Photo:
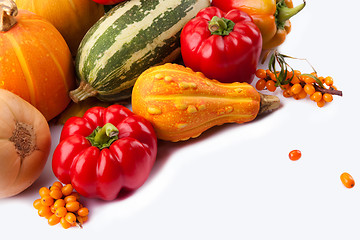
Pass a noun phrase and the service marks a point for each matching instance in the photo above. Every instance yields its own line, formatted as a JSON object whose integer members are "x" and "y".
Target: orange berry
{"x": 72, "y": 206}
{"x": 295, "y": 80}
{"x": 295, "y": 155}
{"x": 65, "y": 224}
{"x": 70, "y": 198}
{"x": 67, "y": 189}
{"x": 260, "y": 73}
{"x": 57, "y": 184}
{"x": 52, "y": 208}
{"x": 321, "y": 103}
{"x": 270, "y": 85}
{"x": 301, "y": 95}
{"x": 37, "y": 204}
{"x": 53, "y": 220}
{"x": 70, "y": 218}
{"x": 44, "y": 191}
{"x": 297, "y": 72}
{"x": 296, "y": 88}
{"x": 82, "y": 219}
{"x": 316, "y": 96}
{"x": 260, "y": 84}
{"x": 314, "y": 74}
{"x": 43, "y": 211}
{"x": 61, "y": 212}
{"x": 47, "y": 201}
{"x": 287, "y": 93}
{"x": 347, "y": 180}
{"x": 270, "y": 74}
{"x": 329, "y": 81}
{"x": 307, "y": 79}
{"x": 59, "y": 203}
{"x": 309, "y": 89}
{"x": 83, "y": 212}
{"x": 56, "y": 193}
{"x": 327, "y": 97}
{"x": 76, "y": 195}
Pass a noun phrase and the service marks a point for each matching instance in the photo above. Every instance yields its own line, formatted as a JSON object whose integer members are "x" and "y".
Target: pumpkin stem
{"x": 8, "y": 11}
{"x": 268, "y": 103}
{"x": 83, "y": 92}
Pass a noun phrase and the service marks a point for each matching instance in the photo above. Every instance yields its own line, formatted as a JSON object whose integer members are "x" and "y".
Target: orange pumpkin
{"x": 35, "y": 61}
{"x": 71, "y": 17}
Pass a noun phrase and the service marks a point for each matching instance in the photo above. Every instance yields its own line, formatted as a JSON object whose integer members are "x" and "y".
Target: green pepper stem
{"x": 107, "y": 132}
{"x": 284, "y": 13}
{"x": 220, "y": 26}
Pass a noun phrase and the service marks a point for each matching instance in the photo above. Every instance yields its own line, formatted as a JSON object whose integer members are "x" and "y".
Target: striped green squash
{"x": 130, "y": 38}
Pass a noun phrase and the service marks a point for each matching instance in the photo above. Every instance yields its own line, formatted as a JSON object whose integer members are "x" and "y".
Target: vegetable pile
{"x": 186, "y": 66}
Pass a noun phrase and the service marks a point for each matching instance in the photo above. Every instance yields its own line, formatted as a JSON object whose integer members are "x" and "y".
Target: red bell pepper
{"x": 223, "y": 46}
{"x": 105, "y": 151}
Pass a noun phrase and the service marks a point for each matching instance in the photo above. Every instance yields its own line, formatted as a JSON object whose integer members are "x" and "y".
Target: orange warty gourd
{"x": 181, "y": 103}
{"x": 72, "y": 18}
{"x": 35, "y": 61}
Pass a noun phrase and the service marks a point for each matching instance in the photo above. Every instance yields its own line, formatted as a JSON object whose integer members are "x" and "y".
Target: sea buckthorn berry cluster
{"x": 60, "y": 204}
{"x": 295, "y": 84}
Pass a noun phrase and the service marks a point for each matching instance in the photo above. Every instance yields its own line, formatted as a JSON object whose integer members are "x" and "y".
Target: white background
{"x": 236, "y": 181}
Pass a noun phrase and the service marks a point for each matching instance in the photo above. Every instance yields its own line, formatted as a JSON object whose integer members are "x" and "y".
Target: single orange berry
{"x": 76, "y": 195}
{"x": 270, "y": 85}
{"x": 65, "y": 224}
{"x": 67, "y": 189}
{"x": 314, "y": 74}
{"x": 83, "y": 212}
{"x": 301, "y": 95}
{"x": 297, "y": 72}
{"x": 321, "y": 103}
{"x": 52, "y": 208}
{"x": 61, "y": 212}
{"x": 329, "y": 81}
{"x": 260, "y": 73}
{"x": 72, "y": 206}
{"x": 309, "y": 89}
{"x": 37, "y": 204}
{"x": 327, "y": 97}
{"x": 53, "y": 220}
{"x": 47, "y": 201}
{"x": 57, "y": 184}
{"x": 295, "y": 80}
{"x": 56, "y": 193}
{"x": 260, "y": 84}
{"x": 316, "y": 96}
{"x": 296, "y": 88}
{"x": 59, "y": 203}
{"x": 295, "y": 155}
{"x": 287, "y": 93}
{"x": 347, "y": 180}
{"x": 44, "y": 191}
{"x": 308, "y": 79}
{"x": 70, "y": 218}
{"x": 82, "y": 219}
{"x": 44, "y": 211}
{"x": 70, "y": 198}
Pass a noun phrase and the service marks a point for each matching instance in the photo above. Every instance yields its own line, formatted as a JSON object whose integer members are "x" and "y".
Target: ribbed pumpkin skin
{"x": 36, "y": 64}
{"x": 72, "y": 18}
{"x": 181, "y": 103}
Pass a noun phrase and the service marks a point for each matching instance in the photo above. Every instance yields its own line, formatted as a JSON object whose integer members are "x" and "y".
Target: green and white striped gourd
{"x": 130, "y": 38}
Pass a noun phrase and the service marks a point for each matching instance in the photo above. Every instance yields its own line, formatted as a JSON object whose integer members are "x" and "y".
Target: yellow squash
{"x": 181, "y": 103}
